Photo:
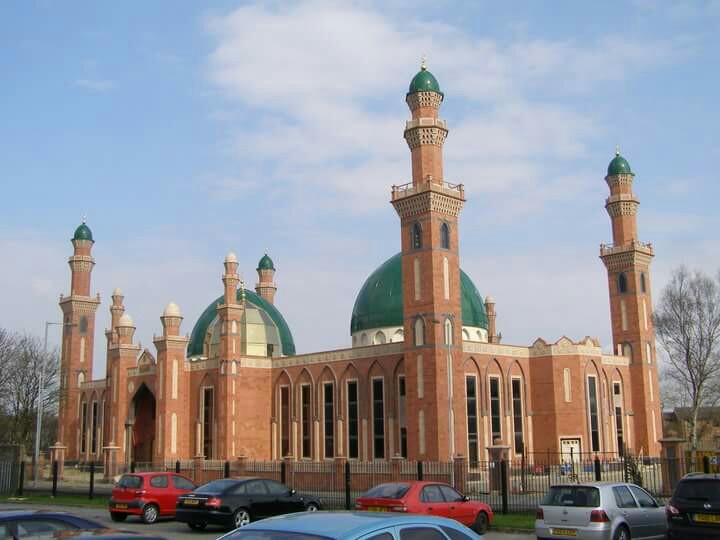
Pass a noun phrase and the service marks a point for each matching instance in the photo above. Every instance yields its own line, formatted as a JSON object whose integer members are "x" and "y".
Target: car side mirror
{"x": 465, "y": 498}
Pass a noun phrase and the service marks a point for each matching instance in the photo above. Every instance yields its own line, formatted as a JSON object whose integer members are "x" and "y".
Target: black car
{"x": 694, "y": 509}
{"x": 235, "y": 502}
{"x": 22, "y": 523}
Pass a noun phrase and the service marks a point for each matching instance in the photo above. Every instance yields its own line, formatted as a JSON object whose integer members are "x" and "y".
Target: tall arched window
{"x": 416, "y": 236}
{"x": 622, "y": 283}
{"x": 419, "y": 328}
{"x": 445, "y": 236}
{"x": 448, "y": 332}
{"x": 642, "y": 282}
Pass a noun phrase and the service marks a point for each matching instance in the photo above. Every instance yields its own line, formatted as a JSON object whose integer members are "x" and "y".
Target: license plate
{"x": 377, "y": 509}
{"x": 191, "y": 502}
{"x": 707, "y": 518}
{"x": 564, "y": 532}
{"x": 121, "y": 506}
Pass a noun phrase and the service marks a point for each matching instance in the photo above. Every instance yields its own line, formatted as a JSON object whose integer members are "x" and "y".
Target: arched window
{"x": 363, "y": 339}
{"x": 622, "y": 283}
{"x": 627, "y": 350}
{"x": 416, "y": 236}
{"x": 648, "y": 352}
{"x": 465, "y": 335}
{"x": 419, "y": 328}
{"x": 642, "y": 282}
{"x": 448, "y": 332}
{"x": 379, "y": 338}
{"x": 398, "y": 336}
{"x": 445, "y": 236}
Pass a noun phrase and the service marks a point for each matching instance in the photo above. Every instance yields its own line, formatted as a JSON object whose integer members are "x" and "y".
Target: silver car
{"x": 600, "y": 511}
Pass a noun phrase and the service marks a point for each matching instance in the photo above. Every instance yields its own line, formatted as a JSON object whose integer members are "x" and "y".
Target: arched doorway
{"x": 143, "y": 430}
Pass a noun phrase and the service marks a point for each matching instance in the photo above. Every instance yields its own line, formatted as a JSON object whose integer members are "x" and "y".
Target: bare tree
{"x": 687, "y": 323}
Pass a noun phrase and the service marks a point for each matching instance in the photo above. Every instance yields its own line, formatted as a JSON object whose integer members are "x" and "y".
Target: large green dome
{"x": 83, "y": 232}
{"x": 200, "y": 330}
{"x": 379, "y": 303}
{"x": 424, "y": 81}
{"x": 619, "y": 165}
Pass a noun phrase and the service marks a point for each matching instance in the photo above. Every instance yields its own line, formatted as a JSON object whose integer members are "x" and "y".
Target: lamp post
{"x": 41, "y": 392}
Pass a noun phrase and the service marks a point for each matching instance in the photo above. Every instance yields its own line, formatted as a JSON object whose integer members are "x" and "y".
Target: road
{"x": 171, "y": 529}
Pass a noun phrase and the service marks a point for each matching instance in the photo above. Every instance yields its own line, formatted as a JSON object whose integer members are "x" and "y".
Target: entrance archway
{"x": 143, "y": 430}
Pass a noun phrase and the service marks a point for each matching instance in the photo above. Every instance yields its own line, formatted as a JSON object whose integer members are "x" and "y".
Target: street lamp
{"x": 41, "y": 392}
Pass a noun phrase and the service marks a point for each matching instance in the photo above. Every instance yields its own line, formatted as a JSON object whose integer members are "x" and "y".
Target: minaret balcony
{"x": 410, "y": 189}
{"x": 634, "y": 245}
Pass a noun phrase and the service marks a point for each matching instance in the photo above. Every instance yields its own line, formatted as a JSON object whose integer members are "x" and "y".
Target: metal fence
{"x": 516, "y": 485}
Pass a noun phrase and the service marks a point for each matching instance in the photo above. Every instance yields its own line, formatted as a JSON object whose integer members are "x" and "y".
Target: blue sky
{"x": 184, "y": 130}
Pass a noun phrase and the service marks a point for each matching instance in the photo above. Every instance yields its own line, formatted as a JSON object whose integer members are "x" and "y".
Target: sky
{"x": 185, "y": 130}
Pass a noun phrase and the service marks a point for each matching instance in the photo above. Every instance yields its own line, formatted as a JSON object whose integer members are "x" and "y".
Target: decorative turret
{"x": 231, "y": 278}
{"x": 493, "y": 337}
{"x": 265, "y": 286}
{"x": 125, "y": 329}
{"x": 171, "y": 319}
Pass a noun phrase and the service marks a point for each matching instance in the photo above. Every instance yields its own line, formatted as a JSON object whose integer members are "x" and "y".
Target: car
{"x": 21, "y": 523}
{"x": 150, "y": 495}
{"x": 600, "y": 511}
{"x": 353, "y": 526}
{"x": 422, "y": 497}
{"x": 235, "y": 502}
{"x": 693, "y": 511}
{"x": 87, "y": 534}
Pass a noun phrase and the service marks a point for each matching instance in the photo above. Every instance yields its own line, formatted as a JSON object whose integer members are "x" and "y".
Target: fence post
{"x": 347, "y": 485}
{"x": 706, "y": 464}
{"x": 625, "y": 468}
{"x": 132, "y": 466}
{"x": 55, "y": 478}
{"x": 598, "y": 473}
{"x": 420, "y": 470}
{"x": 504, "y": 485}
{"x": 21, "y": 479}
{"x": 91, "y": 491}
{"x": 283, "y": 472}
{"x": 177, "y": 466}
{"x": 226, "y": 469}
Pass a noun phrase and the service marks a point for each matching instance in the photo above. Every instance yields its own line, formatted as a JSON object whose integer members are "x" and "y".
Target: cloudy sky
{"x": 184, "y": 130}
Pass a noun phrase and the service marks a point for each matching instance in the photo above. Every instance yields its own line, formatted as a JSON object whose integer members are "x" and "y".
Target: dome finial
{"x": 617, "y": 149}
{"x": 423, "y": 62}
{"x": 84, "y": 218}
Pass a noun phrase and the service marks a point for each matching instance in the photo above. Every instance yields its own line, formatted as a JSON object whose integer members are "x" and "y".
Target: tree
{"x": 687, "y": 324}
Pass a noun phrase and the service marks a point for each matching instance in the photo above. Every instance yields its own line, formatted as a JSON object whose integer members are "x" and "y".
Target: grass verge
{"x": 68, "y": 500}
{"x": 513, "y": 521}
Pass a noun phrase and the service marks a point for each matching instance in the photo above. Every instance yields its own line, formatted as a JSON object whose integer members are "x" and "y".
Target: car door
{"x": 159, "y": 490}
{"x": 629, "y": 510}
{"x": 457, "y": 508}
{"x": 432, "y": 501}
{"x": 260, "y": 502}
{"x": 282, "y": 501}
{"x": 655, "y": 521}
{"x": 181, "y": 486}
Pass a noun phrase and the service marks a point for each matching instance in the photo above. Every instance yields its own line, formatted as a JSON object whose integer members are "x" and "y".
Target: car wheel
{"x": 118, "y": 516}
{"x": 312, "y": 507}
{"x": 150, "y": 513}
{"x": 622, "y": 533}
{"x": 481, "y": 523}
{"x": 241, "y": 517}
{"x": 197, "y": 525}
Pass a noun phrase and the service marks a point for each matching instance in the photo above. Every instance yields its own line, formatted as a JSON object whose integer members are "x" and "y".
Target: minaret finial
{"x": 423, "y": 62}
{"x": 617, "y": 149}
{"x": 84, "y": 218}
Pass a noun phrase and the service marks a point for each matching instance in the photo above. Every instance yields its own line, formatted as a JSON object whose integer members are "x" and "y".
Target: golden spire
{"x": 423, "y": 63}
{"x": 617, "y": 149}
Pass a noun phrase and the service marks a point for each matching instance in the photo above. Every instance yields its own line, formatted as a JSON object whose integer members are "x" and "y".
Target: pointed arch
{"x": 416, "y": 236}
{"x": 445, "y": 235}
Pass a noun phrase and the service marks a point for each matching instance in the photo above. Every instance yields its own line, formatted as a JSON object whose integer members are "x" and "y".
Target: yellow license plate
{"x": 564, "y": 532}
{"x": 377, "y": 509}
{"x": 191, "y": 501}
{"x": 707, "y": 518}
{"x": 121, "y": 505}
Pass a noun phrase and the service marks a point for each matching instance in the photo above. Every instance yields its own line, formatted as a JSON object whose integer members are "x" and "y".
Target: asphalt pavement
{"x": 172, "y": 529}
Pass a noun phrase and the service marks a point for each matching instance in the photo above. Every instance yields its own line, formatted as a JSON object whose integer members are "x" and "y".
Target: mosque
{"x": 427, "y": 376}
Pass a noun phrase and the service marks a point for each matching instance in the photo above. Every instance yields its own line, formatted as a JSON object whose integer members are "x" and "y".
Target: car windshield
{"x": 698, "y": 490}
{"x": 130, "y": 481}
{"x": 216, "y": 486}
{"x": 581, "y": 496}
{"x": 272, "y": 535}
{"x": 388, "y": 491}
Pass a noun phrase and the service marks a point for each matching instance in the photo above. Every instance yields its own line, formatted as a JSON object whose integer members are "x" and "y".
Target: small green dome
{"x": 266, "y": 263}
{"x": 379, "y": 303}
{"x": 619, "y": 165}
{"x": 83, "y": 232}
{"x": 424, "y": 81}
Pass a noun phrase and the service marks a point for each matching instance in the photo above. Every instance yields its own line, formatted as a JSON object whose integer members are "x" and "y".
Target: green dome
{"x": 379, "y": 303}
{"x": 197, "y": 337}
{"x": 266, "y": 263}
{"x": 619, "y": 165}
{"x": 424, "y": 81}
{"x": 83, "y": 232}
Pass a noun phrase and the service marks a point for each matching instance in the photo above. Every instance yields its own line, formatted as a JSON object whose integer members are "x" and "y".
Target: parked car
{"x": 22, "y": 523}
{"x": 693, "y": 511}
{"x": 600, "y": 511}
{"x": 434, "y": 498}
{"x": 235, "y": 502}
{"x": 87, "y": 534}
{"x": 353, "y": 526}
{"x": 149, "y": 495}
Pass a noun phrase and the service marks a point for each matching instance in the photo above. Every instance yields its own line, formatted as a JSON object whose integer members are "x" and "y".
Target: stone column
{"x": 460, "y": 473}
{"x": 110, "y": 465}
{"x": 396, "y": 467}
{"x": 198, "y": 462}
{"x": 672, "y": 462}
{"x": 497, "y": 453}
{"x": 57, "y": 453}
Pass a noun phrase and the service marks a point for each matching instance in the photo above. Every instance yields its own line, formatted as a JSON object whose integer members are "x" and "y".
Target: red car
{"x": 148, "y": 495}
{"x": 432, "y": 498}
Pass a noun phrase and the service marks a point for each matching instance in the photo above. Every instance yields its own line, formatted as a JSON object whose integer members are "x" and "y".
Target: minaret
{"x": 265, "y": 286}
{"x": 628, "y": 265}
{"x": 429, "y": 208}
{"x": 76, "y": 363}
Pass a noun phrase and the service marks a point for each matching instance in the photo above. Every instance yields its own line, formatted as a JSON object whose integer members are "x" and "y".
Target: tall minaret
{"x": 265, "y": 286}
{"x": 76, "y": 362}
{"x": 628, "y": 265}
{"x": 429, "y": 208}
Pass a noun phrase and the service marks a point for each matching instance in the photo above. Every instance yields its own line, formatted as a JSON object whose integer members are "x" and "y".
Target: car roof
{"x": 700, "y": 476}
{"x": 150, "y": 473}
{"x": 604, "y": 483}
{"x": 342, "y": 524}
{"x": 14, "y": 514}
